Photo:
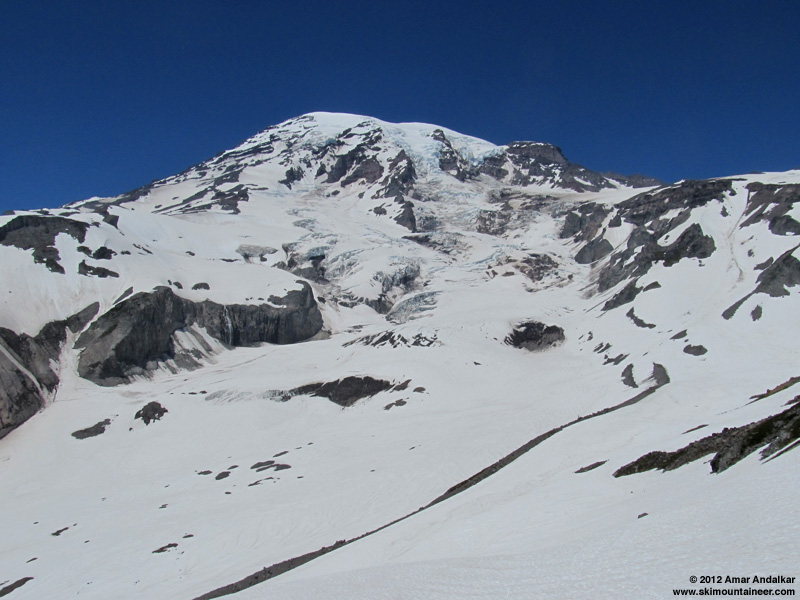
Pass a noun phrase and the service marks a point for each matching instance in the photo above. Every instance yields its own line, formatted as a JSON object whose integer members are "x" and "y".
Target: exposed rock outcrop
{"x": 780, "y": 274}
{"x": 347, "y": 391}
{"x": 26, "y": 376}
{"x": 451, "y": 161}
{"x": 401, "y": 177}
{"x": 593, "y": 251}
{"x": 728, "y": 446}
{"x": 93, "y": 431}
{"x": 20, "y": 397}
{"x": 645, "y": 208}
{"x": 406, "y": 217}
{"x": 152, "y": 411}
{"x": 638, "y": 321}
{"x": 293, "y": 175}
{"x": 533, "y": 335}
{"x": 527, "y": 163}
{"x": 139, "y": 330}
{"x": 38, "y": 233}
{"x": 92, "y": 271}
{"x": 643, "y": 251}
{"x": 357, "y": 164}
{"x": 647, "y": 243}
{"x": 395, "y": 340}
{"x": 635, "y": 181}
{"x": 493, "y": 222}
{"x": 584, "y": 221}
{"x": 624, "y": 296}
{"x": 13, "y": 586}
{"x": 771, "y": 203}
{"x": 591, "y": 467}
{"x": 695, "y": 350}
{"x": 627, "y": 376}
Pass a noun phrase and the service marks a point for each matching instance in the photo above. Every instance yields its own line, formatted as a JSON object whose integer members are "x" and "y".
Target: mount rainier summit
{"x": 357, "y": 359}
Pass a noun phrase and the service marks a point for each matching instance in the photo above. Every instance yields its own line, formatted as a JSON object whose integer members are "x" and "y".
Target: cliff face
{"x": 138, "y": 333}
{"x": 29, "y": 365}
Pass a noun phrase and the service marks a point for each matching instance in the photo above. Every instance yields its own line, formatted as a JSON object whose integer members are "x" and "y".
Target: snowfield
{"x": 427, "y": 356}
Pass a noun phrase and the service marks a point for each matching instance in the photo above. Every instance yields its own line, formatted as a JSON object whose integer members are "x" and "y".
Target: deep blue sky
{"x": 97, "y": 98}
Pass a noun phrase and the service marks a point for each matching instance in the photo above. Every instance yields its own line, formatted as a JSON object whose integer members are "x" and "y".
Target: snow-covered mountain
{"x": 392, "y": 360}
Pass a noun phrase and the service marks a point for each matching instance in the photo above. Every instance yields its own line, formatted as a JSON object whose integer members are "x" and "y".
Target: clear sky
{"x": 97, "y": 98}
